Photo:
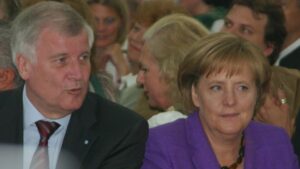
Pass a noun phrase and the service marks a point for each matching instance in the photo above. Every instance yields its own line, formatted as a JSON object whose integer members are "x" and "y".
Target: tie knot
{"x": 46, "y": 129}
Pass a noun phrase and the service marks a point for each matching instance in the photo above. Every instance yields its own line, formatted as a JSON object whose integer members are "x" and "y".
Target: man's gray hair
{"x": 28, "y": 25}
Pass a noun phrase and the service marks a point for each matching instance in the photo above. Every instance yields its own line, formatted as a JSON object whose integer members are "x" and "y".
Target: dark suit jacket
{"x": 292, "y": 60}
{"x": 116, "y": 136}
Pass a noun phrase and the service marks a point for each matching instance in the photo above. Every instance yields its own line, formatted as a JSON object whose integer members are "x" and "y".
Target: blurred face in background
{"x": 108, "y": 24}
{"x": 135, "y": 42}
{"x": 242, "y": 22}
{"x": 155, "y": 86}
{"x": 291, "y": 9}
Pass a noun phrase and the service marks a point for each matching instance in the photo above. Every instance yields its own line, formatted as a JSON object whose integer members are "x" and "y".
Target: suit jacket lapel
{"x": 11, "y": 123}
{"x": 202, "y": 154}
{"x": 11, "y": 127}
{"x": 80, "y": 135}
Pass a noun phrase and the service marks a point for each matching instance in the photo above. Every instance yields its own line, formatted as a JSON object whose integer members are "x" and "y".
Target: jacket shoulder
{"x": 108, "y": 111}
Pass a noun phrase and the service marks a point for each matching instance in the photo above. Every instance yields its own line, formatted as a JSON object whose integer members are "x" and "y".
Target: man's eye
{"x": 245, "y": 30}
{"x": 227, "y": 24}
{"x": 61, "y": 60}
{"x": 84, "y": 57}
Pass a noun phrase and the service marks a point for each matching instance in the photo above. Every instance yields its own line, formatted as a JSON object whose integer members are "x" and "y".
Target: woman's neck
{"x": 225, "y": 147}
{"x": 226, "y": 152}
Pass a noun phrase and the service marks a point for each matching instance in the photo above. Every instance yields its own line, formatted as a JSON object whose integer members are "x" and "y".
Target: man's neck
{"x": 290, "y": 38}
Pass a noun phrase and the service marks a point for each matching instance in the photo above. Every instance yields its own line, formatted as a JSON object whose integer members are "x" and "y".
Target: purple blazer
{"x": 183, "y": 145}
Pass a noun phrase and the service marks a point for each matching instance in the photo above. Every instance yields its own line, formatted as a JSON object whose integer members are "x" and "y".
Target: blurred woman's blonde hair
{"x": 169, "y": 40}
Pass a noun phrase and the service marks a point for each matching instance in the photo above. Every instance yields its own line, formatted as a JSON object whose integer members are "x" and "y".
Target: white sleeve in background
{"x": 165, "y": 117}
{"x": 127, "y": 81}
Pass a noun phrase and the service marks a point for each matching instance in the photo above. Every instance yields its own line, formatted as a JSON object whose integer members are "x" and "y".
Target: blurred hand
{"x": 115, "y": 54}
{"x": 275, "y": 113}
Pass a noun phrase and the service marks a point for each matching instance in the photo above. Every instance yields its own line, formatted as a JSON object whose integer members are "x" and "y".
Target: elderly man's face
{"x": 242, "y": 22}
{"x": 57, "y": 81}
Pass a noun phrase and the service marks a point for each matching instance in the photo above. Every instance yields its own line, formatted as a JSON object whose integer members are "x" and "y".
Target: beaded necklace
{"x": 240, "y": 157}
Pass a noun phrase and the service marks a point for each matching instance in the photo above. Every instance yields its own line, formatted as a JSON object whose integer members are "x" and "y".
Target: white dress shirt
{"x": 31, "y": 134}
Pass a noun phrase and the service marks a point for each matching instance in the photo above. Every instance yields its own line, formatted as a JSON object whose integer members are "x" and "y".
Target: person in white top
{"x": 160, "y": 58}
{"x": 111, "y": 20}
{"x": 147, "y": 13}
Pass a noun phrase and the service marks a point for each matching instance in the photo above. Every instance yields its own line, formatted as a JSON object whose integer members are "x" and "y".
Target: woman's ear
{"x": 195, "y": 96}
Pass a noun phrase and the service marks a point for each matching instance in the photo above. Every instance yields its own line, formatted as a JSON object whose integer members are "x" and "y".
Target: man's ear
{"x": 23, "y": 65}
{"x": 269, "y": 49}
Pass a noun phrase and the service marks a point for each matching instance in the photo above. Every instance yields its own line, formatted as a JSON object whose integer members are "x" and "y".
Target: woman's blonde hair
{"x": 168, "y": 40}
{"x": 223, "y": 52}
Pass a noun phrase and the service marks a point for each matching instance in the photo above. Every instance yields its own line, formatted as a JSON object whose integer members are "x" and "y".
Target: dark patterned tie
{"x": 40, "y": 159}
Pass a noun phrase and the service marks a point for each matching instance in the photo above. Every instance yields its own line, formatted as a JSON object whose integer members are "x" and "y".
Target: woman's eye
{"x": 215, "y": 88}
{"x": 243, "y": 88}
{"x": 135, "y": 28}
{"x": 109, "y": 20}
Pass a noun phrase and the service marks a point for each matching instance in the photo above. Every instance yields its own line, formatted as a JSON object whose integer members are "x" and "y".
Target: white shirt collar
{"x": 287, "y": 51}
{"x": 31, "y": 114}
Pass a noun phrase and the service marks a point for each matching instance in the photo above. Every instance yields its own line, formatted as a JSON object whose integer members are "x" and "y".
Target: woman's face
{"x": 155, "y": 86}
{"x": 226, "y": 103}
{"x": 135, "y": 42}
{"x": 108, "y": 24}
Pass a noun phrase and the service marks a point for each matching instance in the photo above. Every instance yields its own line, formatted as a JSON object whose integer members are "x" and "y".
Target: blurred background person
{"x": 9, "y": 76}
{"x": 223, "y": 80}
{"x": 289, "y": 56}
{"x": 160, "y": 58}
{"x": 147, "y": 13}
{"x": 112, "y": 22}
{"x": 9, "y": 9}
{"x": 262, "y": 23}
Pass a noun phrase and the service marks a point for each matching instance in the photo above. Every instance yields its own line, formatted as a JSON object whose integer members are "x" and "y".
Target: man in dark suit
{"x": 51, "y": 46}
{"x": 290, "y": 54}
